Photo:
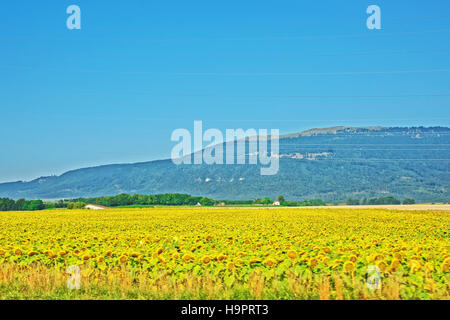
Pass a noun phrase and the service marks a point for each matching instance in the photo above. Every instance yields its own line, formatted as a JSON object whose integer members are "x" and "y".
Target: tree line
{"x": 177, "y": 199}
{"x": 7, "y": 204}
{"x": 173, "y": 199}
{"x": 284, "y": 202}
{"x": 379, "y": 201}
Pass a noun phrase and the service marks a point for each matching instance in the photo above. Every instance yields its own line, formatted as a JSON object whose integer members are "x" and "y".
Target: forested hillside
{"x": 333, "y": 164}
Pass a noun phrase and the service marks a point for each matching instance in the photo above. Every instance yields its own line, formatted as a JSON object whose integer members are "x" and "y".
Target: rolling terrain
{"x": 331, "y": 163}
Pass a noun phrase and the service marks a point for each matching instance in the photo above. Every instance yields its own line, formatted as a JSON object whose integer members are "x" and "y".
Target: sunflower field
{"x": 225, "y": 253}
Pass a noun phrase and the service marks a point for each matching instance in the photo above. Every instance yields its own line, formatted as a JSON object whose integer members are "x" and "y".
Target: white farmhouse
{"x": 95, "y": 207}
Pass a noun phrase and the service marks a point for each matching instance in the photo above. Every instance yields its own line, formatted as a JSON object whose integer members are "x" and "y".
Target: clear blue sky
{"x": 114, "y": 91}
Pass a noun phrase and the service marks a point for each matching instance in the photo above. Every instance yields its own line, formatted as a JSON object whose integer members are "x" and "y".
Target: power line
{"x": 360, "y": 159}
{"x": 140, "y": 118}
{"x": 342, "y": 21}
{"x": 315, "y": 54}
{"x": 321, "y": 120}
{"x": 374, "y": 149}
{"x": 208, "y": 95}
{"x": 337, "y": 36}
{"x": 286, "y": 38}
{"x": 367, "y": 144}
{"x": 231, "y": 74}
{"x": 243, "y": 74}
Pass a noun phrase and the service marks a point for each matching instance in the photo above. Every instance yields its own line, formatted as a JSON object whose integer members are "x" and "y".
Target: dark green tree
{"x": 409, "y": 201}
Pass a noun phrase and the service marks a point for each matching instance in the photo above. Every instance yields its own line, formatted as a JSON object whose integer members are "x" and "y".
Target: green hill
{"x": 333, "y": 164}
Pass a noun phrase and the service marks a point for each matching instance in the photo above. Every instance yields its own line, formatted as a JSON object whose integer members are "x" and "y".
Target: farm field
{"x": 225, "y": 253}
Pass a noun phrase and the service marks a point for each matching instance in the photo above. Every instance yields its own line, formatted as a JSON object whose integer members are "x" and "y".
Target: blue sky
{"x": 114, "y": 91}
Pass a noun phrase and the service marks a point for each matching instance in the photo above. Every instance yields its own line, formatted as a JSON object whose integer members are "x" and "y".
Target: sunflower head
{"x": 123, "y": 259}
{"x": 187, "y": 258}
{"x": 398, "y": 256}
{"x": 382, "y": 265}
{"x": 292, "y": 254}
{"x": 231, "y": 266}
{"x": 446, "y": 265}
{"x": 395, "y": 264}
{"x": 32, "y": 253}
{"x": 349, "y": 266}
{"x": 327, "y": 250}
{"x": 414, "y": 266}
{"x": 222, "y": 257}
{"x": 206, "y": 260}
{"x": 313, "y": 262}
{"x": 269, "y": 263}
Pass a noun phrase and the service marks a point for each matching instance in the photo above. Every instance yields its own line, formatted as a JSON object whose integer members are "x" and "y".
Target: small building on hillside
{"x": 95, "y": 207}
{"x": 276, "y": 203}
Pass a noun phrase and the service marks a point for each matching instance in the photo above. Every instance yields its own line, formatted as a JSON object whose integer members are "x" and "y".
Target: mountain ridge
{"x": 312, "y": 163}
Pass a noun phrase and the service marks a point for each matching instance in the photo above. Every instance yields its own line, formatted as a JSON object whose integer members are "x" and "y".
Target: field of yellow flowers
{"x": 225, "y": 253}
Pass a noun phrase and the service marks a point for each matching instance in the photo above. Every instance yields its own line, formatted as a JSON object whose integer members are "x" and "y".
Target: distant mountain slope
{"x": 332, "y": 163}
